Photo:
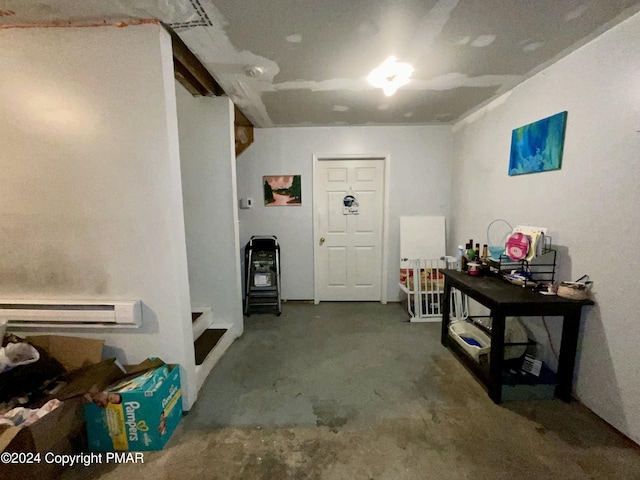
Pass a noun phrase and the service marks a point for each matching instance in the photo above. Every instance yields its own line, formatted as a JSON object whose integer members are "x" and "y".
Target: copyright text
{"x": 70, "y": 460}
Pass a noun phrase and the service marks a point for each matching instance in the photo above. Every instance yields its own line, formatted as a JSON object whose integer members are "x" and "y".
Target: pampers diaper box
{"x": 136, "y": 414}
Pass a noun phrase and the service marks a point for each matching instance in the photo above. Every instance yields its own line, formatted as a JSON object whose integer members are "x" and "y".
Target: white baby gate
{"x": 423, "y": 283}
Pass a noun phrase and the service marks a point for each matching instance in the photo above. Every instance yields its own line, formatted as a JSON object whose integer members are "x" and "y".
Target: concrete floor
{"x": 353, "y": 391}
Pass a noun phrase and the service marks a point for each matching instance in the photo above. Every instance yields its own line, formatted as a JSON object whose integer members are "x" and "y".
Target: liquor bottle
{"x": 477, "y": 254}
{"x": 485, "y": 252}
{"x": 465, "y": 258}
{"x": 469, "y": 254}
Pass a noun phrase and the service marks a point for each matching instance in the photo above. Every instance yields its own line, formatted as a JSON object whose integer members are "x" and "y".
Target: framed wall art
{"x": 282, "y": 190}
{"x": 537, "y": 147}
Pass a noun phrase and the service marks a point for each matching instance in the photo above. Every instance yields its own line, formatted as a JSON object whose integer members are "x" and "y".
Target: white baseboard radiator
{"x": 71, "y": 313}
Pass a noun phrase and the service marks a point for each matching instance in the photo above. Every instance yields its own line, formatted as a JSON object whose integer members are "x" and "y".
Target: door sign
{"x": 350, "y": 205}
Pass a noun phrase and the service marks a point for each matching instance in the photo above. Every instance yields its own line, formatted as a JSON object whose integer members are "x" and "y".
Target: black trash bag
{"x": 28, "y": 380}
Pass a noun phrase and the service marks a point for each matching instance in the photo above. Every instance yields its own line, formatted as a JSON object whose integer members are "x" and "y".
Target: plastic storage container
{"x": 461, "y": 330}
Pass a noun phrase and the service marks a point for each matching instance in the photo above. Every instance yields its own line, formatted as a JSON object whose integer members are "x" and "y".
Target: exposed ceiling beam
{"x": 191, "y": 69}
{"x": 193, "y": 75}
{"x": 241, "y": 119}
{"x": 187, "y": 80}
{"x": 243, "y": 130}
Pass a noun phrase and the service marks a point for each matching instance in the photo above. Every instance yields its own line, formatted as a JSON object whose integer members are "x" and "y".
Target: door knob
{"x": 322, "y": 241}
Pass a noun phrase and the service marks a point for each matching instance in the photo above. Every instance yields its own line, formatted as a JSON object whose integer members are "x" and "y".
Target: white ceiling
{"x": 305, "y": 62}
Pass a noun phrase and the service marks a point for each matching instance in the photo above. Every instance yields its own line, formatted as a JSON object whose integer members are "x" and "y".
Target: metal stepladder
{"x": 262, "y": 274}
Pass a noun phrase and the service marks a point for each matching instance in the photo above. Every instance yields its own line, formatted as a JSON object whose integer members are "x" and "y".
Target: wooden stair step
{"x": 207, "y": 342}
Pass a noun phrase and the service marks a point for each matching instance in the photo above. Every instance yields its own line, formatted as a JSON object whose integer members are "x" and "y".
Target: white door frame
{"x": 385, "y": 217}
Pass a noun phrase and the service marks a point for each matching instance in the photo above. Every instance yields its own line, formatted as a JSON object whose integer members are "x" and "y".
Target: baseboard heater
{"x": 71, "y": 313}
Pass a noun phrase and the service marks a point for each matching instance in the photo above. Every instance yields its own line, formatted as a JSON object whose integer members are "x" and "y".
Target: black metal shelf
{"x": 541, "y": 269}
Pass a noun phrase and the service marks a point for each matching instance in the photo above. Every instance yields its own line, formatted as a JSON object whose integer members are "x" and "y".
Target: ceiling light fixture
{"x": 254, "y": 71}
{"x": 390, "y": 76}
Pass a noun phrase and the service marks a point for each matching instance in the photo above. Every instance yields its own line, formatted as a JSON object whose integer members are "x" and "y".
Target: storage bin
{"x": 461, "y": 329}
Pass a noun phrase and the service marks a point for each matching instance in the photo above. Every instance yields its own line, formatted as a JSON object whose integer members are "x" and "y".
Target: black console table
{"x": 504, "y": 299}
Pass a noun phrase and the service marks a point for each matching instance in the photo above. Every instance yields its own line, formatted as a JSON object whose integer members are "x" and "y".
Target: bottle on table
{"x": 459, "y": 257}
{"x": 469, "y": 255}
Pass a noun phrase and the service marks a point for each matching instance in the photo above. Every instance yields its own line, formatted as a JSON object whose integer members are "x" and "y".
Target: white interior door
{"x": 348, "y": 249}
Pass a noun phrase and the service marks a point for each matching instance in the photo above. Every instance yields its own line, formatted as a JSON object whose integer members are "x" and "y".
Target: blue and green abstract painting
{"x": 537, "y": 147}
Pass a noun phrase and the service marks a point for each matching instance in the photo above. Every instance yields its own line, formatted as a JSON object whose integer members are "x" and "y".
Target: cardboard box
{"x": 137, "y": 414}
{"x": 71, "y": 352}
{"x": 61, "y": 431}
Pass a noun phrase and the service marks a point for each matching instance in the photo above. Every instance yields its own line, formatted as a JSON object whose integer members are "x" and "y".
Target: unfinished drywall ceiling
{"x": 305, "y": 63}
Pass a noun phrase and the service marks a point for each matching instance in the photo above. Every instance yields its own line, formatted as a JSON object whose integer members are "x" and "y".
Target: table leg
{"x": 567, "y": 357}
{"x": 445, "y": 308}
{"x": 496, "y": 356}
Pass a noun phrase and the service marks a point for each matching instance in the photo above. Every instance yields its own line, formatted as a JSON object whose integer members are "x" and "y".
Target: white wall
{"x": 419, "y": 185}
{"x": 90, "y": 192}
{"x": 590, "y": 205}
{"x": 207, "y": 155}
